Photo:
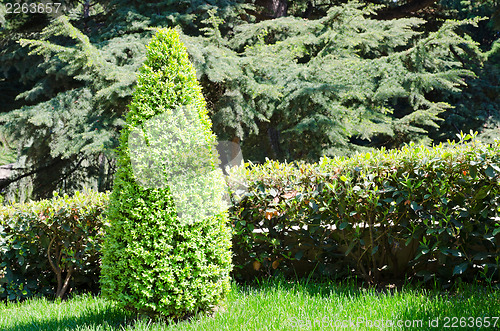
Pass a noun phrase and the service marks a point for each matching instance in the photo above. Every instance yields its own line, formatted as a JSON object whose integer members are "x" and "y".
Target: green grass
{"x": 274, "y": 305}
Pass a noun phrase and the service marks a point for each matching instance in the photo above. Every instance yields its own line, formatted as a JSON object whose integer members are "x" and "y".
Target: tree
{"x": 330, "y": 86}
{"x": 72, "y": 115}
{"x": 162, "y": 254}
{"x": 64, "y": 102}
{"x": 263, "y": 78}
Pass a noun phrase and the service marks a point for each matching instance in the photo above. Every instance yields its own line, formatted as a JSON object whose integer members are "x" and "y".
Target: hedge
{"x": 418, "y": 212}
{"x": 49, "y": 246}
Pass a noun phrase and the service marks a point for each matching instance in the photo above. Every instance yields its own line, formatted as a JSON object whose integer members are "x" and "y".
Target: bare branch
{"x": 55, "y": 267}
{"x": 66, "y": 283}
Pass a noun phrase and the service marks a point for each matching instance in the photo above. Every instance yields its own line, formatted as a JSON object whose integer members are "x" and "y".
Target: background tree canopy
{"x": 287, "y": 79}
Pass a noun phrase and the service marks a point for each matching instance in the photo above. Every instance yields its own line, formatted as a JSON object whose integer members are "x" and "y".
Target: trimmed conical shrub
{"x": 167, "y": 248}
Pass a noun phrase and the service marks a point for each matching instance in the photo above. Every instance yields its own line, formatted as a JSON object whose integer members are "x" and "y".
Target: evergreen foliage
{"x": 156, "y": 259}
{"x": 332, "y": 85}
{"x": 312, "y": 78}
{"x": 478, "y": 105}
{"x": 68, "y": 127}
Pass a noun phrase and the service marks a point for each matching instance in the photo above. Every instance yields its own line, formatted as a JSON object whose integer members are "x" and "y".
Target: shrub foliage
{"x": 154, "y": 260}
{"x": 51, "y": 245}
{"x": 416, "y": 212}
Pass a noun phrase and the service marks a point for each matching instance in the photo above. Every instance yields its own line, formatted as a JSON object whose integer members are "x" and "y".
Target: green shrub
{"x": 50, "y": 245}
{"x": 163, "y": 253}
{"x": 416, "y": 212}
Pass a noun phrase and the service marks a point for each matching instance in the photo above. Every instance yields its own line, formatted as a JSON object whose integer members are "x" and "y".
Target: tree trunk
{"x": 86, "y": 9}
{"x": 405, "y": 10}
{"x": 274, "y": 140}
{"x": 61, "y": 287}
{"x": 274, "y": 8}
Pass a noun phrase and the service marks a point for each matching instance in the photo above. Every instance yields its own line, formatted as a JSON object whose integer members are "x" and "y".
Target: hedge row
{"x": 415, "y": 212}
{"x": 51, "y": 245}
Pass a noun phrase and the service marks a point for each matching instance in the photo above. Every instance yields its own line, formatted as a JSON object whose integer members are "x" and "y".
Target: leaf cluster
{"x": 418, "y": 212}
{"x": 332, "y": 85}
{"x": 156, "y": 260}
{"x": 51, "y": 245}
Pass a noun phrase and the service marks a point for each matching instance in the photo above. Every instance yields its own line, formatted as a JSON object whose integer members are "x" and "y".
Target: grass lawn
{"x": 279, "y": 305}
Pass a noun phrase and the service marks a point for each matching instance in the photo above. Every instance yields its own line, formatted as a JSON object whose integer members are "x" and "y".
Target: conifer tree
{"x": 324, "y": 78}
{"x": 335, "y": 85}
{"x": 167, "y": 251}
{"x": 71, "y": 117}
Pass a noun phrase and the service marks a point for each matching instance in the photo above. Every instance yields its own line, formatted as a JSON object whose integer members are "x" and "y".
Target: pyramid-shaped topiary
{"x": 167, "y": 249}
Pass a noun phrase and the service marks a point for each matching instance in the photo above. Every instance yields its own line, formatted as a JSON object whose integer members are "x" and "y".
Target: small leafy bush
{"x": 161, "y": 256}
{"x": 416, "y": 212}
{"x": 51, "y": 245}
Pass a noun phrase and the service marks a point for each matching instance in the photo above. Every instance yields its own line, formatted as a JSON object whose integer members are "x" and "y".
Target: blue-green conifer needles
{"x": 164, "y": 254}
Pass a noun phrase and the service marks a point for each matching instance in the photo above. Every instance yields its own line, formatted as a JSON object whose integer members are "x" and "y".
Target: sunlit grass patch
{"x": 277, "y": 305}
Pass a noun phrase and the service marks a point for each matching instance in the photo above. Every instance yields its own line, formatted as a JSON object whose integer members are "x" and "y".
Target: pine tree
{"x": 333, "y": 85}
{"x": 68, "y": 135}
{"x": 167, "y": 248}
{"x": 64, "y": 102}
{"x": 325, "y": 78}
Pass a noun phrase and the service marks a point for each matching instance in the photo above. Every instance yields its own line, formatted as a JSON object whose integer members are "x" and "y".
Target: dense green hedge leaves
{"x": 416, "y": 212}
{"x": 51, "y": 245}
{"x": 155, "y": 260}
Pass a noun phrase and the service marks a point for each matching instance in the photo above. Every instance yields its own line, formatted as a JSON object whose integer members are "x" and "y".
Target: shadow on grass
{"x": 412, "y": 307}
{"x": 470, "y": 307}
{"x": 87, "y": 319}
{"x": 322, "y": 288}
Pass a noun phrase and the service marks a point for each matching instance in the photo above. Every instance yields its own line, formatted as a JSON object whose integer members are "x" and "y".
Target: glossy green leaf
{"x": 460, "y": 269}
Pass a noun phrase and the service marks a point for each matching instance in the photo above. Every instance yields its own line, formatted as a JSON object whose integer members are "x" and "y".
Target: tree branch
{"x": 66, "y": 283}
{"x": 55, "y": 267}
{"x": 6, "y": 182}
{"x": 66, "y": 175}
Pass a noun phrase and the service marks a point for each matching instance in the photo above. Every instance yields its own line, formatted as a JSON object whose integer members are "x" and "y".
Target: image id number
{"x": 471, "y": 322}
{"x": 33, "y": 8}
